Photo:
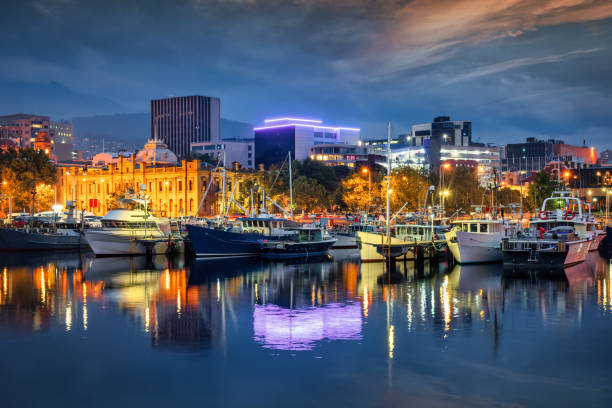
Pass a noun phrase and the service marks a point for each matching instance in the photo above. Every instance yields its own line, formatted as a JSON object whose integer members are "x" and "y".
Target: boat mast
{"x": 388, "y": 180}
{"x": 290, "y": 188}
{"x": 224, "y": 186}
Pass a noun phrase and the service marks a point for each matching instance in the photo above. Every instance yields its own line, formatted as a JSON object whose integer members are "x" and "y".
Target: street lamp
{"x": 367, "y": 171}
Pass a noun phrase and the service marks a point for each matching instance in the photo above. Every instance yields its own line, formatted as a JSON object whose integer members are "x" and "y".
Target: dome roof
{"x": 157, "y": 152}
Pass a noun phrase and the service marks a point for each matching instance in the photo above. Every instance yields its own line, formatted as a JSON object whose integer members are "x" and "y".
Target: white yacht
{"x": 129, "y": 232}
{"x": 478, "y": 240}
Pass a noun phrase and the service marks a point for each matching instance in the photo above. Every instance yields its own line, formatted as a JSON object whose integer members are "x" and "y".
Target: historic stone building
{"x": 173, "y": 188}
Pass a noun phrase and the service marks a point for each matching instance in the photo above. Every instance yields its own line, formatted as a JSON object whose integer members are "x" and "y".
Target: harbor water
{"x": 76, "y": 330}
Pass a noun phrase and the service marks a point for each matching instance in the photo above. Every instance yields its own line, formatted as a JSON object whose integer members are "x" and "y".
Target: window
{"x": 250, "y": 162}
{"x": 249, "y": 148}
{"x": 250, "y": 155}
{"x": 190, "y": 185}
{"x": 191, "y": 204}
{"x": 483, "y": 227}
{"x": 160, "y": 186}
{"x": 180, "y": 185}
{"x": 473, "y": 227}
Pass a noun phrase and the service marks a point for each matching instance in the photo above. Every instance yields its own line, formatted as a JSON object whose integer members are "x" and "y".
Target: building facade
{"x": 184, "y": 120}
{"x": 535, "y": 154}
{"x": 240, "y": 151}
{"x": 62, "y": 135}
{"x": 279, "y": 136}
{"x": 484, "y": 159}
{"x": 442, "y": 130}
{"x": 339, "y": 155}
{"x": 23, "y": 128}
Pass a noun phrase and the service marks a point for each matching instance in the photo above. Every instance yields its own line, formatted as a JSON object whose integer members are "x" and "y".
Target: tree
{"x": 408, "y": 186}
{"x": 27, "y": 172}
{"x": 356, "y": 192}
{"x": 463, "y": 189}
{"x": 540, "y": 188}
{"x": 309, "y": 195}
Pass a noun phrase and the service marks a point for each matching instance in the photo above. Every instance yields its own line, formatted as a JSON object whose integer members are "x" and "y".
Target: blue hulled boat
{"x": 243, "y": 238}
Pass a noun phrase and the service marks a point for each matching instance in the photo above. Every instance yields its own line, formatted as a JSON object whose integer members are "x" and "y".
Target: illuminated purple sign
{"x": 280, "y": 328}
{"x": 292, "y": 120}
{"x": 335, "y": 128}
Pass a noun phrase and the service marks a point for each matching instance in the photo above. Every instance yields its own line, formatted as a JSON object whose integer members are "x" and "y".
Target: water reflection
{"x": 288, "y": 306}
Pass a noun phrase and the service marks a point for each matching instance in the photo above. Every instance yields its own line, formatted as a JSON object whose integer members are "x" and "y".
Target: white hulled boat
{"x": 478, "y": 240}
{"x": 129, "y": 232}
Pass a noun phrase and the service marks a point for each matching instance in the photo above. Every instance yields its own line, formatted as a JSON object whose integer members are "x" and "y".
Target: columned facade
{"x": 172, "y": 190}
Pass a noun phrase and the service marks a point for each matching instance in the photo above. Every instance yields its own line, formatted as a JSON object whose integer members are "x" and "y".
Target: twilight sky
{"x": 516, "y": 68}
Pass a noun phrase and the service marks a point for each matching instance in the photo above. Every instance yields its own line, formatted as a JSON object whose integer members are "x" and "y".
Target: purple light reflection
{"x": 300, "y": 329}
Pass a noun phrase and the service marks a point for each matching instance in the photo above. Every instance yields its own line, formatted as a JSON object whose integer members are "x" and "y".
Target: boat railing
{"x": 533, "y": 245}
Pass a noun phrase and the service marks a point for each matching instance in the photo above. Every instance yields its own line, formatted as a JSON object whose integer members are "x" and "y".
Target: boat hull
{"x": 470, "y": 247}
{"x": 212, "y": 242}
{"x": 597, "y": 242}
{"x": 574, "y": 253}
{"x": 296, "y": 249}
{"x": 17, "y": 240}
{"x": 104, "y": 243}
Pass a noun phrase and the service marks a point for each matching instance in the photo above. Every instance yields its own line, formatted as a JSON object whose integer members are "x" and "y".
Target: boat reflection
{"x": 288, "y": 306}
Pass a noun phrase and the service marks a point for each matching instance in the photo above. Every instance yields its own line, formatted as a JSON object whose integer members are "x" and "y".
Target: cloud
{"x": 515, "y": 64}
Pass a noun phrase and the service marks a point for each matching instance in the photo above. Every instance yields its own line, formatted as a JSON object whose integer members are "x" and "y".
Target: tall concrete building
{"x": 183, "y": 120}
{"x": 63, "y": 143}
{"x": 23, "y": 128}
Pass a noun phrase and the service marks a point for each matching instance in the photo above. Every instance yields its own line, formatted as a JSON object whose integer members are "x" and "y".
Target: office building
{"x": 482, "y": 159}
{"x": 279, "y": 136}
{"x": 340, "y": 155}
{"x": 180, "y": 121}
{"x": 62, "y": 135}
{"x": 23, "y": 128}
{"x": 535, "y": 154}
{"x": 236, "y": 151}
{"x": 380, "y": 145}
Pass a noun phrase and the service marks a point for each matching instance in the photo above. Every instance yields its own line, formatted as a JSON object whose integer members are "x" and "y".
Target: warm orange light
{"x": 567, "y": 174}
{"x": 364, "y": 170}
{"x": 446, "y": 165}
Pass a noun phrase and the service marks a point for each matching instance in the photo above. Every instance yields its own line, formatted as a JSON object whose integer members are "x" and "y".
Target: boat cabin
{"x": 254, "y": 225}
{"x": 410, "y": 232}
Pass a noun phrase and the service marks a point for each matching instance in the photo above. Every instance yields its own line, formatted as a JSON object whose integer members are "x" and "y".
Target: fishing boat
{"x": 559, "y": 236}
{"x": 242, "y": 237}
{"x": 52, "y": 233}
{"x": 416, "y": 234}
{"x": 478, "y": 240}
{"x": 129, "y": 232}
{"x": 299, "y": 242}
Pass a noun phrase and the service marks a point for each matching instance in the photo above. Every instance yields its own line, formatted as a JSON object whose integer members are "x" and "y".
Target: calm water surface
{"x": 76, "y": 330}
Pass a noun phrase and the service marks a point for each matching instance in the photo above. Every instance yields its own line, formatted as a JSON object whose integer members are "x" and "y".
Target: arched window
{"x": 160, "y": 186}
{"x": 171, "y": 207}
{"x": 180, "y": 209}
{"x": 180, "y": 185}
{"x": 190, "y": 185}
{"x": 191, "y": 205}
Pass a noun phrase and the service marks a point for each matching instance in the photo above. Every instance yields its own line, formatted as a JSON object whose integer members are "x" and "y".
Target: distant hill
{"x": 131, "y": 131}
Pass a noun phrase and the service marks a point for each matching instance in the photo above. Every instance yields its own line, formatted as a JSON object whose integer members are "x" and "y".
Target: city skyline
{"x": 515, "y": 68}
